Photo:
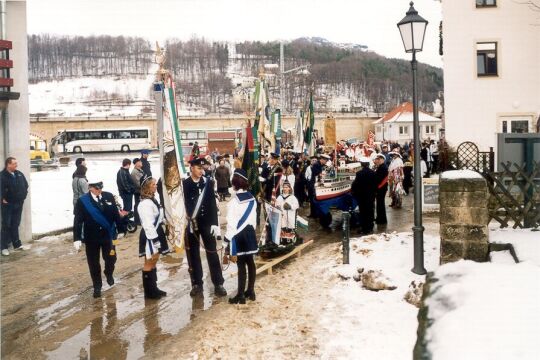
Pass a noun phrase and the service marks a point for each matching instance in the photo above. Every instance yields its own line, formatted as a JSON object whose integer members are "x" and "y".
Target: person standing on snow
{"x": 145, "y": 163}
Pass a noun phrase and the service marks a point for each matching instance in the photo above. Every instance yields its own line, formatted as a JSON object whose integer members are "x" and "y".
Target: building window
{"x": 430, "y": 129}
{"x": 486, "y": 3}
{"x": 486, "y": 58}
{"x": 403, "y": 130}
{"x": 515, "y": 125}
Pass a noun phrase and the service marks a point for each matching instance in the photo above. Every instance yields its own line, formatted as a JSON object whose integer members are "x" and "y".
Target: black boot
{"x": 238, "y": 299}
{"x": 154, "y": 276}
{"x": 250, "y": 294}
{"x": 97, "y": 293}
{"x": 149, "y": 285}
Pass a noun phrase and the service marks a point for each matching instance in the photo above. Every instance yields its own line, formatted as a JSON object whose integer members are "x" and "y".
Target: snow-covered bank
{"x": 369, "y": 324}
{"x": 485, "y": 311}
{"x": 52, "y": 196}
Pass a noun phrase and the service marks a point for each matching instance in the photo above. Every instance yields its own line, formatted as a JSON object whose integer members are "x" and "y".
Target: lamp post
{"x": 413, "y": 29}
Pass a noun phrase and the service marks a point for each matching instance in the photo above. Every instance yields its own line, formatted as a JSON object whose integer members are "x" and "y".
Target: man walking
{"x": 126, "y": 186}
{"x": 201, "y": 209}
{"x": 136, "y": 176}
{"x": 97, "y": 223}
{"x": 14, "y": 191}
{"x": 381, "y": 174}
{"x": 145, "y": 163}
{"x": 364, "y": 190}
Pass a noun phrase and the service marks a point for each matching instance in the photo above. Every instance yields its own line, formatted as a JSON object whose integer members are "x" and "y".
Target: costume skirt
{"x": 245, "y": 242}
{"x": 148, "y": 247}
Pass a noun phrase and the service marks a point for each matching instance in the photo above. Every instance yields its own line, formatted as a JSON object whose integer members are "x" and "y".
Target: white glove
{"x": 119, "y": 236}
{"x": 215, "y": 230}
{"x": 261, "y": 179}
{"x": 77, "y": 245}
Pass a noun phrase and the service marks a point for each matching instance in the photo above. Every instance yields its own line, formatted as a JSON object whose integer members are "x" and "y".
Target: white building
{"x": 15, "y": 124}
{"x": 491, "y": 69}
{"x": 339, "y": 104}
{"x": 397, "y": 125}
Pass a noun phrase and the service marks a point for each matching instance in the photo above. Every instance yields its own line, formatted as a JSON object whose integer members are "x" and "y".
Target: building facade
{"x": 397, "y": 125}
{"x": 491, "y": 70}
{"x": 15, "y": 124}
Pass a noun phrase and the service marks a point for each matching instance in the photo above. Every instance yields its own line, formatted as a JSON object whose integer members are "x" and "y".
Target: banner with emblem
{"x": 171, "y": 156}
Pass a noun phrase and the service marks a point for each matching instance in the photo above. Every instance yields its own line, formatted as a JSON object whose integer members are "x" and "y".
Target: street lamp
{"x": 413, "y": 29}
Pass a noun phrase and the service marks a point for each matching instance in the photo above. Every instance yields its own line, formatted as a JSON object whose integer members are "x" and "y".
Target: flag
{"x": 274, "y": 220}
{"x": 276, "y": 127}
{"x": 308, "y": 137}
{"x": 172, "y": 161}
{"x": 263, "y": 118}
{"x": 250, "y": 161}
{"x": 371, "y": 138}
{"x": 299, "y": 129}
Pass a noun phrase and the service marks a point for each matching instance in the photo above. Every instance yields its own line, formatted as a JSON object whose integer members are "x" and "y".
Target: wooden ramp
{"x": 267, "y": 265}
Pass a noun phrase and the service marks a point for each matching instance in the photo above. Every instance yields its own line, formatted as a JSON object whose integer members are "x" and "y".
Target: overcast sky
{"x": 367, "y": 22}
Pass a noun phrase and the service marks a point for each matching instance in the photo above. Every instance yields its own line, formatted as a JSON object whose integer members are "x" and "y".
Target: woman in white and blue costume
{"x": 240, "y": 236}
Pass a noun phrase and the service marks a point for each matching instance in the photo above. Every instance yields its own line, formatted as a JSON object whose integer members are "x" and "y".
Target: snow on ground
{"x": 52, "y": 195}
{"x": 485, "y": 311}
{"x": 369, "y": 324}
{"x": 525, "y": 242}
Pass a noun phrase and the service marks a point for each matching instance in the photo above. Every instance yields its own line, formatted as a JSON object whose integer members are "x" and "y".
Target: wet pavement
{"x": 48, "y": 311}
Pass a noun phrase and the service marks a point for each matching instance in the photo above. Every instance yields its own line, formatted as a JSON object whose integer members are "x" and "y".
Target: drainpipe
{"x": 4, "y": 111}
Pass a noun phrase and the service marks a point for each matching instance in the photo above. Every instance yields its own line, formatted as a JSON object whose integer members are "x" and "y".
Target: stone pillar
{"x": 463, "y": 198}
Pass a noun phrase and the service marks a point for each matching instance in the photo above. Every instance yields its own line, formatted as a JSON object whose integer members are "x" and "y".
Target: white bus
{"x": 94, "y": 140}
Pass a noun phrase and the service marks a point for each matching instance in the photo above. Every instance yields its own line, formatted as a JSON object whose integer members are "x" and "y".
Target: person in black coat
{"x": 364, "y": 188}
{"x": 203, "y": 224}
{"x": 145, "y": 163}
{"x": 97, "y": 223}
{"x": 126, "y": 186}
{"x": 311, "y": 178}
{"x": 14, "y": 189}
{"x": 381, "y": 174}
{"x": 270, "y": 176}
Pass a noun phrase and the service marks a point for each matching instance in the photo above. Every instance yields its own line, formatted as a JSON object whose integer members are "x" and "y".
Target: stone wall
{"x": 464, "y": 216}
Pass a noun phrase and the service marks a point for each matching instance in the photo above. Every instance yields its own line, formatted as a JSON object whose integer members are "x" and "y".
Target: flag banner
{"x": 299, "y": 132}
{"x": 308, "y": 139}
{"x": 277, "y": 130}
{"x": 301, "y": 223}
{"x": 273, "y": 216}
{"x": 330, "y": 137}
{"x": 263, "y": 119}
{"x": 250, "y": 161}
{"x": 172, "y": 163}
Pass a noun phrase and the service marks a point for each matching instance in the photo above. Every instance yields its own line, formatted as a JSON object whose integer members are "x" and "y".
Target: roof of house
{"x": 404, "y": 113}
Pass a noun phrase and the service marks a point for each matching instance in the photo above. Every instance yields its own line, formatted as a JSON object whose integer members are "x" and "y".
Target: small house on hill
{"x": 397, "y": 125}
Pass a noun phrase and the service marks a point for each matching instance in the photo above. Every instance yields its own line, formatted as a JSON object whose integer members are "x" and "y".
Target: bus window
{"x": 201, "y": 135}
{"x": 124, "y": 134}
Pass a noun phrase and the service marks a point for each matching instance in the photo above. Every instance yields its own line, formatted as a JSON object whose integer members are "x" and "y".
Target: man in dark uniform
{"x": 97, "y": 223}
{"x": 312, "y": 177}
{"x": 381, "y": 174}
{"x": 145, "y": 163}
{"x": 202, "y": 213}
{"x": 270, "y": 177}
{"x": 364, "y": 188}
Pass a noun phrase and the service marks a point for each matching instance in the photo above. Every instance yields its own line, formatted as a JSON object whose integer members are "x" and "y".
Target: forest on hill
{"x": 206, "y": 73}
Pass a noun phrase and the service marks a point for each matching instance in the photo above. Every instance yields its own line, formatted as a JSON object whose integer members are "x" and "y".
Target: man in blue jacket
{"x": 14, "y": 191}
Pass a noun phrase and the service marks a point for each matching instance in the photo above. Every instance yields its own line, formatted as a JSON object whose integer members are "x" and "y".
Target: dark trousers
{"x": 311, "y": 196}
{"x": 366, "y": 207}
{"x": 300, "y": 191}
{"x": 194, "y": 258}
{"x": 11, "y": 219}
{"x": 435, "y": 164}
{"x": 92, "y": 257}
{"x": 243, "y": 262}
{"x": 127, "y": 199}
{"x": 137, "y": 201}
{"x": 381, "y": 208}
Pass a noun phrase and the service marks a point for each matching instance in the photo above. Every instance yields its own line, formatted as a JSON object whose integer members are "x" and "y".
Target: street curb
{"x": 51, "y": 233}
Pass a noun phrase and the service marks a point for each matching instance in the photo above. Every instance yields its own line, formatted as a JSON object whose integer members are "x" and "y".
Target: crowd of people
{"x": 288, "y": 182}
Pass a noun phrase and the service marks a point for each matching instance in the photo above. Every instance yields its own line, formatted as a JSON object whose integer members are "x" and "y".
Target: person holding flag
{"x": 97, "y": 223}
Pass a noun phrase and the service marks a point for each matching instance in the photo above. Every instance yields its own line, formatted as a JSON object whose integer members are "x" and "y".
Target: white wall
{"x": 474, "y": 106}
{"x": 391, "y": 132}
{"x": 19, "y": 121}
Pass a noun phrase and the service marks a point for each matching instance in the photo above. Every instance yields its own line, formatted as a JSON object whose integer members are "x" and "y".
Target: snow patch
{"x": 461, "y": 174}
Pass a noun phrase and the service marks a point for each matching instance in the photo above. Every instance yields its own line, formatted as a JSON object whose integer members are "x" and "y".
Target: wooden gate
{"x": 514, "y": 195}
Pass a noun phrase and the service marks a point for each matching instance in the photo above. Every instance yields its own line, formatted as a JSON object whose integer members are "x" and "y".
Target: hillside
{"x": 105, "y": 75}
